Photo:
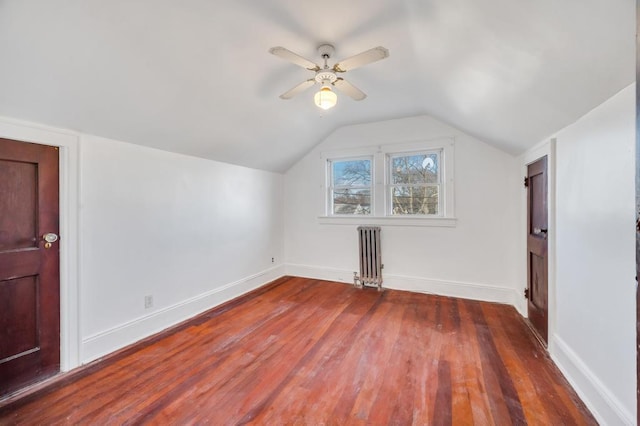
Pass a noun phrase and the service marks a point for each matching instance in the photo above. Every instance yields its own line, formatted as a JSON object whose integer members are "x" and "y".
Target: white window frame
{"x": 330, "y": 188}
{"x": 380, "y": 195}
{"x": 389, "y": 186}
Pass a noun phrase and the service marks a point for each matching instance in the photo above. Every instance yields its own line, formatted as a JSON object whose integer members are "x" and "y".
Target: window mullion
{"x": 379, "y": 196}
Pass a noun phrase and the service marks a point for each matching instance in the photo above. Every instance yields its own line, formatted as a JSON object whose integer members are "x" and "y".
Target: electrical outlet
{"x": 148, "y": 302}
{"x": 273, "y": 260}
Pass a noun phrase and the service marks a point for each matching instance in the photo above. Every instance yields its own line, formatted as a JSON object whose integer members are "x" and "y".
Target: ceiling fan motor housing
{"x": 328, "y": 76}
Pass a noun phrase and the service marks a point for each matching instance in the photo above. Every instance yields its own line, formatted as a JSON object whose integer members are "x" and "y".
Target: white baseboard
{"x": 465, "y": 290}
{"x": 604, "y": 406}
{"x": 319, "y": 273}
{"x": 107, "y": 341}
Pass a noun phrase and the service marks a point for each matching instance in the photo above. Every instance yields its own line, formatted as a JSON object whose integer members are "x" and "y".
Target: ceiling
{"x": 195, "y": 76}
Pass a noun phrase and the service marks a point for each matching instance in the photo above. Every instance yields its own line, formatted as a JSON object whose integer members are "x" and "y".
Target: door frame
{"x": 69, "y": 144}
{"x": 547, "y": 148}
{"x": 637, "y": 191}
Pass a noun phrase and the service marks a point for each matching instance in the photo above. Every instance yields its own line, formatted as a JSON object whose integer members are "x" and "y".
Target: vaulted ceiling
{"x": 195, "y": 76}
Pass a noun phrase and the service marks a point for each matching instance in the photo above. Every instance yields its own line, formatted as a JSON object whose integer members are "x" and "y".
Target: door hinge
{"x": 526, "y": 293}
{"x": 526, "y": 182}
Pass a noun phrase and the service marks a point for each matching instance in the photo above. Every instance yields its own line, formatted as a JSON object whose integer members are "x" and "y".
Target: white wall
{"x": 476, "y": 259}
{"x": 594, "y": 339}
{"x": 191, "y": 232}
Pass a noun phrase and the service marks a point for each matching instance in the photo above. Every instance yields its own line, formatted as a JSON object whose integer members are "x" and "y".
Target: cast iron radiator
{"x": 370, "y": 262}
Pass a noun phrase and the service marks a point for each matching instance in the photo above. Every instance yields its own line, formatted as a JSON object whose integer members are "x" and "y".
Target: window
{"x": 407, "y": 184}
{"x": 350, "y": 186}
{"x": 414, "y": 183}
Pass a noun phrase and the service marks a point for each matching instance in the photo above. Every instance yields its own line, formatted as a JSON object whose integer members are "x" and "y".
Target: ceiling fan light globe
{"x": 325, "y": 98}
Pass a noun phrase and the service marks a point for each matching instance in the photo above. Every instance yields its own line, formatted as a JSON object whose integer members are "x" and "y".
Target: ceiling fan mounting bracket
{"x": 326, "y": 50}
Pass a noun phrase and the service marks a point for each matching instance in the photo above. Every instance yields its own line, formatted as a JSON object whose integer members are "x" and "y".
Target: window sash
{"x": 332, "y": 189}
{"x": 417, "y": 185}
{"x": 351, "y": 187}
{"x": 332, "y": 161}
{"x": 390, "y": 200}
{"x": 332, "y": 199}
{"x": 389, "y": 210}
{"x": 394, "y": 155}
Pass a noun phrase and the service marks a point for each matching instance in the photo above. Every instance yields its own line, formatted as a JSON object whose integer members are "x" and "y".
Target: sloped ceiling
{"x": 195, "y": 76}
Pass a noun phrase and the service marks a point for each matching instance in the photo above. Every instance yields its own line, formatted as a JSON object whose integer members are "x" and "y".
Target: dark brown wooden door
{"x": 29, "y": 266}
{"x": 537, "y": 263}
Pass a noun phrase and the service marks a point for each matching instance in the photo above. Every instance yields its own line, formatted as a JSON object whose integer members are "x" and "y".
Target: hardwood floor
{"x": 315, "y": 352}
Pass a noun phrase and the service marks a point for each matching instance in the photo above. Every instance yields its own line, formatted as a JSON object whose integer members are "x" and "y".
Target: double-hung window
{"x": 396, "y": 184}
{"x": 413, "y": 182}
{"x": 350, "y": 191}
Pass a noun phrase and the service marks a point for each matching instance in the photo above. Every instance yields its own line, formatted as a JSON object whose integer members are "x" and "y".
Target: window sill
{"x": 448, "y": 222}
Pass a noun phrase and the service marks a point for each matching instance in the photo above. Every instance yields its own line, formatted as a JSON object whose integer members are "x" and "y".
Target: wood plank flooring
{"x": 312, "y": 352}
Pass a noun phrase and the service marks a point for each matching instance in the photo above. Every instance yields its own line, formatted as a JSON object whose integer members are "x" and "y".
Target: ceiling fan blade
{"x": 349, "y": 89}
{"x": 288, "y": 55}
{"x": 297, "y": 89}
{"x": 364, "y": 58}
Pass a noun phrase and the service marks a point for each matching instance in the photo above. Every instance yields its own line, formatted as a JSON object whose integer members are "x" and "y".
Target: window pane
{"x": 414, "y": 200}
{"x": 418, "y": 168}
{"x": 352, "y": 172}
{"x": 352, "y": 201}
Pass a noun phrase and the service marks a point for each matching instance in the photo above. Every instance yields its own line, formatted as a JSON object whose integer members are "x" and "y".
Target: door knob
{"x": 539, "y": 231}
{"x": 49, "y": 238}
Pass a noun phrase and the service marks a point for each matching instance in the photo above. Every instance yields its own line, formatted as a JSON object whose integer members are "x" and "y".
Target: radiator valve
{"x": 356, "y": 280}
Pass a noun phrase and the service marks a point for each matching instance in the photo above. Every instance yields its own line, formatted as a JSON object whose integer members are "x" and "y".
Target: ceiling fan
{"x": 328, "y": 76}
